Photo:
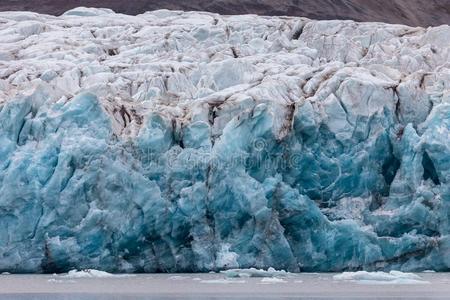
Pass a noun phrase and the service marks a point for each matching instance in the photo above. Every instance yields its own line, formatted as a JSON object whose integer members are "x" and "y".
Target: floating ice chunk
{"x": 393, "y": 277}
{"x": 176, "y": 277}
{"x": 91, "y": 273}
{"x": 53, "y": 280}
{"x": 252, "y": 272}
{"x": 271, "y": 280}
{"x": 223, "y": 281}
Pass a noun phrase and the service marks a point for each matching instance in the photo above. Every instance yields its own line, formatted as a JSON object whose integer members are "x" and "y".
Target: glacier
{"x": 191, "y": 142}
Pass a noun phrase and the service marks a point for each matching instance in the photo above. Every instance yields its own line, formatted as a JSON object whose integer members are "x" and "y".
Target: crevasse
{"x": 172, "y": 141}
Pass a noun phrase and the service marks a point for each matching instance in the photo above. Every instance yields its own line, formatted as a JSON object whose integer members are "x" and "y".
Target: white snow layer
{"x": 180, "y": 63}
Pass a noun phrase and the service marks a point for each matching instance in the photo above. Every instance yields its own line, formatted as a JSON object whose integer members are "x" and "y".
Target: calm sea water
{"x": 215, "y": 287}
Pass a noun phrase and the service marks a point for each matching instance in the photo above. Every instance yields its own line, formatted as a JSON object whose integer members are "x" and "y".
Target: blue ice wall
{"x": 191, "y": 142}
{"x": 74, "y": 195}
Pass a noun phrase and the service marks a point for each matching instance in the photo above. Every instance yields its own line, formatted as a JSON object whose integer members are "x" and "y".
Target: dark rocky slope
{"x": 410, "y": 12}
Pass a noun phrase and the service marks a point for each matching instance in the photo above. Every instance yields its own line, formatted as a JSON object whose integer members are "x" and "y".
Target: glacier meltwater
{"x": 189, "y": 142}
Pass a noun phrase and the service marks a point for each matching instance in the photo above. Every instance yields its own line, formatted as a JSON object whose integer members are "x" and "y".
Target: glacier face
{"x": 174, "y": 141}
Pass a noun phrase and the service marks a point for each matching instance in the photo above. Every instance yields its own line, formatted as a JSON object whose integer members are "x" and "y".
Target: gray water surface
{"x": 214, "y": 287}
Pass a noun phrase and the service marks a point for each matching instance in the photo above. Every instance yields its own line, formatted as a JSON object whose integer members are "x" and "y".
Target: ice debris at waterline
{"x": 393, "y": 277}
{"x": 89, "y": 273}
{"x": 187, "y": 142}
{"x": 252, "y": 272}
{"x": 222, "y": 281}
{"x": 272, "y": 280}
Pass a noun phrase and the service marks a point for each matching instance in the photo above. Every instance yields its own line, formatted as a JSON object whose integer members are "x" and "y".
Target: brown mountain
{"x": 411, "y": 12}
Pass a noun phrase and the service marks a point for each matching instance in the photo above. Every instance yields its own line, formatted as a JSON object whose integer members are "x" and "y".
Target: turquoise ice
{"x": 199, "y": 142}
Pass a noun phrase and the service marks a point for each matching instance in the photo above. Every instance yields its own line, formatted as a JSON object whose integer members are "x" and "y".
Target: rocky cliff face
{"x": 173, "y": 141}
{"x": 409, "y": 12}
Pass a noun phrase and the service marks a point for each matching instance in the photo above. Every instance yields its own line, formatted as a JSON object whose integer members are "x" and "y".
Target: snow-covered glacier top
{"x": 189, "y": 141}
